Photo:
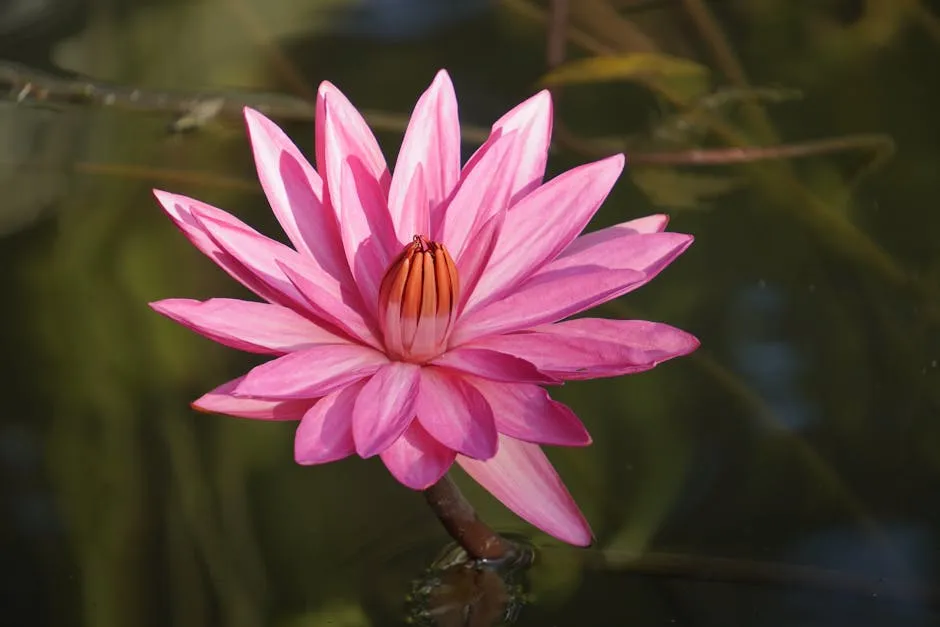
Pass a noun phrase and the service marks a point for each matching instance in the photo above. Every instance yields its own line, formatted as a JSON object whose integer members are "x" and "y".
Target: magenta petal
{"x": 648, "y": 224}
{"x": 222, "y": 401}
{"x": 325, "y": 432}
{"x": 279, "y": 266}
{"x": 311, "y": 372}
{"x": 260, "y": 255}
{"x": 431, "y": 146}
{"x": 547, "y": 298}
{"x": 526, "y": 412}
{"x": 521, "y": 476}
{"x": 415, "y": 216}
{"x": 623, "y": 248}
{"x": 295, "y": 193}
{"x": 180, "y": 209}
{"x": 246, "y": 325}
{"x": 355, "y": 140}
{"x": 416, "y": 459}
{"x": 456, "y": 414}
{"x": 326, "y": 307}
{"x": 532, "y": 123}
{"x": 473, "y": 261}
{"x": 588, "y": 348}
{"x": 542, "y": 224}
{"x": 482, "y": 193}
{"x": 385, "y": 407}
{"x": 368, "y": 234}
{"x": 491, "y": 364}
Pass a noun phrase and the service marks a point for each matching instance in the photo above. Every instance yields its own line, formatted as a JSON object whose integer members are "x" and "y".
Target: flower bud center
{"x": 418, "y": 301}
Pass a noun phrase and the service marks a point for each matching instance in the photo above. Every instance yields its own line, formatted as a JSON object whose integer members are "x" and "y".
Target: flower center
{"x": 418, "y": 301}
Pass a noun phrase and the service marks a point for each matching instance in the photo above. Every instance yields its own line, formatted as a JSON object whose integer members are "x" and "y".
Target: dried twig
{"x": 191, "y": 109}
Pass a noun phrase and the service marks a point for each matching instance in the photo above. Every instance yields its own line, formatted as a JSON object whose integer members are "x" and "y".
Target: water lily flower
{"x": 420, "y": 312}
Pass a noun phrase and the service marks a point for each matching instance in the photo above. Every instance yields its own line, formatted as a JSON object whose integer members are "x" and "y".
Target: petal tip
{"x": 442, "y": 77}
{"x": 165, "y": 198}
{"x": 326, "y": 89}
{"x": 255, "y": 121}
{"x": 542, "y": 99}
{"x": 195, "y": 406}
{"x": 365, "y": 452}
{"x": 161, "y": 306}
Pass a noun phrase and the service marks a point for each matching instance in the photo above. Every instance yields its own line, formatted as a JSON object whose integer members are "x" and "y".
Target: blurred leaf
{"x": 680, "y": 80}
{"x": 667, "y": 187}
{"x": 694, "y": 122}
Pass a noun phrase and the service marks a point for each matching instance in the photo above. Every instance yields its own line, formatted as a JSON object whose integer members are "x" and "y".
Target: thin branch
{"x": 882, "y": 147}
{"x": 193, "y": 109}
{"x": 557, "y": 34}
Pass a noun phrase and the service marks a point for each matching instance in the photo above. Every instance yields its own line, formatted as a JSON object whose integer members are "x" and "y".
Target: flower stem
{"x": 463, "y": 524}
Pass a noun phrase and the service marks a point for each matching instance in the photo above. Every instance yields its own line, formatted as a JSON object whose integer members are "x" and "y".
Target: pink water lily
{"x": 419, "y": 313}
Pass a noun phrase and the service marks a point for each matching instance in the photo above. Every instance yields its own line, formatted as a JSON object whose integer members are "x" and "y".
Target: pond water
{"x": 785, "y": 474}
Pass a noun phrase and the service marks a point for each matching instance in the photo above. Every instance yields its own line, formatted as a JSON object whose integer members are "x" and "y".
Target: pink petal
{"x": 295, "y": 193}
{"x": 311, "y": 372}
{"x": 531, "y": 121}
{"x": 491, "y": 364}
{"x": 472, "y": 263}
{"x": 432, "y": 146}
{"x": 222, "y": 401}
{"x": 455, "y": 414}
{"x": 482, "y": 193}
{"x": 588, "y": 348}
{"x": 355, "y": 140}
{"x": 259, "y": 255}
{"x": 262, "y": 260}
{"x": 415, "y": 209}
{"x": 622, "y": 248}
{"x": 416, "y": 459}
{"x": 524, "y": 480}
{"x": 655, "y": 223}
{"x": 325, "y": 432}
{"x": 368, "y": 234}
{"x": 337, "y": 313}
{"x": 547, "y": 298}
{"x": 180, "y": 209}
{"x": 316, "y": 293}
{"x": 385, "y": 407}
{"x": 542, "y": 224}
{"x": 648, "y": 224}
{"x": 526, "y": 412}
{"x": 246, "y": 325}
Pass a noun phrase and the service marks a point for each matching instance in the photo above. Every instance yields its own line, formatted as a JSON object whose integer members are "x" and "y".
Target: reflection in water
{"x": 458, "y": 592}
{"x": 845, "y": 551}
{"x": 768, "y": 362}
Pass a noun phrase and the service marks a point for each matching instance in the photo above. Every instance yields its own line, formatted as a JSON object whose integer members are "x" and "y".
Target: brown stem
{"x": 462, "y": 523}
